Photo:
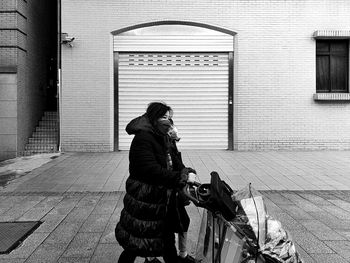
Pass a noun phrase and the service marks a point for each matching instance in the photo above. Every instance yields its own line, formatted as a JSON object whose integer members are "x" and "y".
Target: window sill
{"x": 332, "y": 96}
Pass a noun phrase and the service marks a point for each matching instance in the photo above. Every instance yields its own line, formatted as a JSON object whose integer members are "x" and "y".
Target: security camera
{"x": 66, "y": 39}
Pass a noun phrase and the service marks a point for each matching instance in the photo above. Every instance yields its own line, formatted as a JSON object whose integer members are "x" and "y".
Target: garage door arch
{"x": 186, "y": 64}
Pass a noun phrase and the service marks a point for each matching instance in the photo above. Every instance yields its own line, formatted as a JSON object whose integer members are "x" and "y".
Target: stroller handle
{"x": 185, "y": 191}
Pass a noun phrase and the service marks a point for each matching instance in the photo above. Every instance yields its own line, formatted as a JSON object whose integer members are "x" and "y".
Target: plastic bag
{"x": 263, "y": 231}
{"x": 279, "y": 247}
{"x": 251, "y": 214}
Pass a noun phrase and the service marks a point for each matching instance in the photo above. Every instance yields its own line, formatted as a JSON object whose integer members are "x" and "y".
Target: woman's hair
{"x": 156, "y": 110}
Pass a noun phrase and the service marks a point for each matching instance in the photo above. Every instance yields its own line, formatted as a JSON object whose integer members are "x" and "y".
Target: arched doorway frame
{"x": 185, "y": 23}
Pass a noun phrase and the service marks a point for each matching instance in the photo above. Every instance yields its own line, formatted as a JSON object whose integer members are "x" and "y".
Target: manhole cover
{"x": 12, "y": 233}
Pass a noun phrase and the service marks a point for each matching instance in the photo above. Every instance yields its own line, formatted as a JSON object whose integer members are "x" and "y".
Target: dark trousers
{"x": 127, "y": 257}
{"x": 169, "y": 256}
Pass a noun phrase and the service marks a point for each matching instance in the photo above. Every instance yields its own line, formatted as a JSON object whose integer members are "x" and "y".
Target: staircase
{"x": 45, "y": 138}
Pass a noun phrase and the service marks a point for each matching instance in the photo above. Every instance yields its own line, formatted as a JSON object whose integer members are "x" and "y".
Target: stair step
{"x": 45, "y": 137}
{"x": 28, "y": 153}
{"x": 50, "y": 113}
{"x": 43, "y": 140}
{"x": 48, "y": 124}
{"x": 46, "y": 129}
{"x": 49, "y": 118}
{"x": 43, "y": 147}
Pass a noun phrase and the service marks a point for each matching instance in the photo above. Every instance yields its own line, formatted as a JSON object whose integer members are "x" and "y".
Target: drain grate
{"x": 13, "y": 233}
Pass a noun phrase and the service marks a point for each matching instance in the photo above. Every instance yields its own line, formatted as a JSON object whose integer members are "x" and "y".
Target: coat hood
{"x": 140, "y": 123}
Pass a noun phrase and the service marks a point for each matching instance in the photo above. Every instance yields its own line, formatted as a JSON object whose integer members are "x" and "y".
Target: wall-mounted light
{"x": 67, "y": 39}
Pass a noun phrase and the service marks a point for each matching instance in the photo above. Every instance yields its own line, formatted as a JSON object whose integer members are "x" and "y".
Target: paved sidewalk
{"x": 78, "y": 197}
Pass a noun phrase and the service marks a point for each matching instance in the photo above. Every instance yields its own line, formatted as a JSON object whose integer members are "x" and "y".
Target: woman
{"x": 150, "y": 215}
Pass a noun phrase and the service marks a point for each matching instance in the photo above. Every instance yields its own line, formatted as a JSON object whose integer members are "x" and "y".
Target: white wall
{"x": 274, "y": 76}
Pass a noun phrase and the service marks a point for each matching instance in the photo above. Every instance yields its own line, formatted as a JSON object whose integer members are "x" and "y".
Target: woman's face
{"x": 166, "y": 116}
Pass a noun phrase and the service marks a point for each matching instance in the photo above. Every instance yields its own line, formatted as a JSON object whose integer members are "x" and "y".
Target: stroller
{"x": 235, "y": 227}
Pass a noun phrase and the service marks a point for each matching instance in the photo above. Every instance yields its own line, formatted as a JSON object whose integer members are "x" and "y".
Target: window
{"x": 332, "y": 66}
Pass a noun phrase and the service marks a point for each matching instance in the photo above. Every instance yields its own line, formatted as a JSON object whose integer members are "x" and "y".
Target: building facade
{"x": 240, "y": 75}
{"x": 27, "y": 52}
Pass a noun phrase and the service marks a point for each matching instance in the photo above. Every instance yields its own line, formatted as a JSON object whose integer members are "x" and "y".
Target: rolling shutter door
{"x": 195, "y": 85}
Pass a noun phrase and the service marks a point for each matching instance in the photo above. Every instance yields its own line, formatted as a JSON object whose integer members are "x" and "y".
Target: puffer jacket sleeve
{"x": 176, "y": 156}
{"x": 145, "y": 162}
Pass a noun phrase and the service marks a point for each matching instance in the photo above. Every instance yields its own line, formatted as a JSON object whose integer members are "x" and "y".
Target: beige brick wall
{"x": 274, "y": 75}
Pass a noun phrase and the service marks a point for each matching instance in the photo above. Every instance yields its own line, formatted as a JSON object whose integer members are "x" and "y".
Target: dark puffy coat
{"x": 145, "y": 216}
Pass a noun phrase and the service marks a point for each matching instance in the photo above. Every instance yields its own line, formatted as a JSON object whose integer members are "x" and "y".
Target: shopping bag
{"x": 218, "y": 241}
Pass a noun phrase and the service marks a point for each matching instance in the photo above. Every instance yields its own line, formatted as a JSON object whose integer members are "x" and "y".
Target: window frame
{"x": 331, "y": 55}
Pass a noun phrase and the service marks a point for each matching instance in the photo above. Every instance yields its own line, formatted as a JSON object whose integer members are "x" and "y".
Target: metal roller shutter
{"x": 195, "y": 85}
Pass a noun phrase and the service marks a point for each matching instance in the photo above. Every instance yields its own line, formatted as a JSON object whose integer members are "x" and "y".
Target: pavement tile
{"x": 95, "y": 223}
{"x": 301, "y": 202}
{"x": 331, "y": 221}
{"x": 13, "y": 260}
{"x": 108, "y": 235}
{"x": 336, "y": 211}
{"x": 321, "y": 230}
{"x": 328, "y": 258}
{"x": 41, "y": 209}
{"x": 10, "y": 202}
{"x": 341, "y": 204}
{"x": 79, "y": 214}
{"x": 295, "y": 212}
{"x": 328, "y": 235}
{"x": 83, "y": 245}
{"x": 89, "y": 200}
{"x": 304, "y": 256}
{"x": 344, "y": 195}
{"x": 73, "y": 260}
{"x": 341, "y": 247}
{"x": 345, "y": 233}
{"x": 113, "y": 196}
{"x": 64, "y": 232}
{"x": 50, "y": 222}
{"x": 288, "y": 222}
{"x": 271, "y": 206}
{"x": 314, "y": 198}
{"x": 309, "y": 242}
{"x": 106, "y": 253}
{"x": 105, "y": 207}
{"x": 314, "y": 225}
{"x": 47, "y": 253}
{"x": 66, "y": 204}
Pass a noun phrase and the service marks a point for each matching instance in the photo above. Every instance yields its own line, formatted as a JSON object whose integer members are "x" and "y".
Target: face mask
{"x": 163, "y": 126}
{"x": 173, "y": 133}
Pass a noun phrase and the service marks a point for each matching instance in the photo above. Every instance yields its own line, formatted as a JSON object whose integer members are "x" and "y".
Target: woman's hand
{"x": 191, "y": 177}
{"x": 184, "y": 176}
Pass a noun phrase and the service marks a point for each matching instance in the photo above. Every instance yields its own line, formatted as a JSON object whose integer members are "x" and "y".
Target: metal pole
{"x": 59, "y": 65}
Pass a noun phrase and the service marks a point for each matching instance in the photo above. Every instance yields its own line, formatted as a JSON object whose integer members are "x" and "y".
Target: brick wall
{"x": 24, "y": 48}
{"x": 31, "y": 97}
{"x": 8, "y": 117}
{"x": 274, "y": 71}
